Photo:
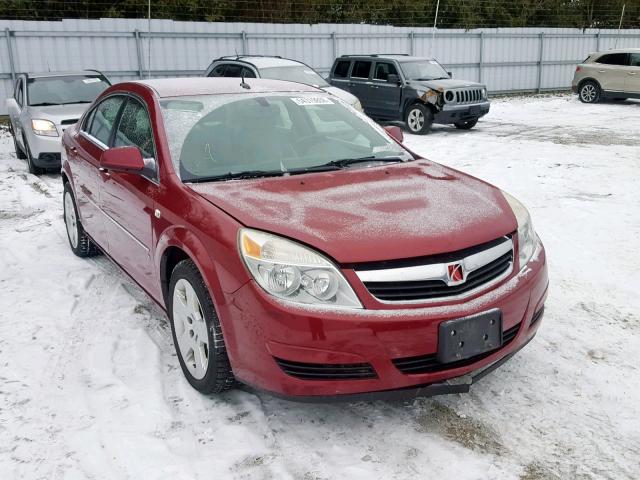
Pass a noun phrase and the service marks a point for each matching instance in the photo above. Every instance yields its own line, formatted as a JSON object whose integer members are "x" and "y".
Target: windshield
{"x": 424, "y": 70}
{"x": 223, "y": 135}
{"x": 64, "y": 90}
{"x": 299, "y": 74}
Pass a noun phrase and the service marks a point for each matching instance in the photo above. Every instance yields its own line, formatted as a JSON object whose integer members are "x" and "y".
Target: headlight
{"x": 291, "y": 271}
{"x": 44, "y": 127}
{"x": 484, "y": 93}
{"x": 527, "y": 238}
{"x": 358, "y": 106}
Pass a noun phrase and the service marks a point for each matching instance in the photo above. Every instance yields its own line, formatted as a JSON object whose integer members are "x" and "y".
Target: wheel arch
{"x": 588, "y": 79}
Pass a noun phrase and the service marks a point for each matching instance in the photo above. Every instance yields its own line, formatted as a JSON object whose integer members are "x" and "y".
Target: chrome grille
{"x": 469, "y": 95}
{"x": 428, "y": 279}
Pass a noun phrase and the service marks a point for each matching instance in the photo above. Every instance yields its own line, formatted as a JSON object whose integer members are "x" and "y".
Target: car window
{"x": 134, "y": 129}
{"x": 211, "y": 135}
{"x": 635, "y": 60}
{"x": 104, "y": 117}
{"x": 218, "y": 71}
{"x": 63, "y": 90}
{"x": 361, "y": 69}
{"x": 296, "y": 73}
{"x": 19, "y": 95}
{"x": 234, "y": 70}
{"x": 342, "y": 69}
{"x": 383, "y": 70}
{"x": 88, "y": 119}
{"x": 614, "y": 59}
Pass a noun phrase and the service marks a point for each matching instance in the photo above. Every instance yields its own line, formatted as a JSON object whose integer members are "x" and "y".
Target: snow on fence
{"x": 506, "y": 59}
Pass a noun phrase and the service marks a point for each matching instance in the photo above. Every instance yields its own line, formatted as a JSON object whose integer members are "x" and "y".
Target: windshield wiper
{"x": 343, "y": 162}
{"x": 237, "y": 176}
{"x": 76, "y": 101}
{"x": 43, "y": 104}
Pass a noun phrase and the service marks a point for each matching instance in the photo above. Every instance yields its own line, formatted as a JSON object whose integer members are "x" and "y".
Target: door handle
{"x": 601, "y": 71}
{"x": 631, "y": 73}
{"x": 73, "y": 150}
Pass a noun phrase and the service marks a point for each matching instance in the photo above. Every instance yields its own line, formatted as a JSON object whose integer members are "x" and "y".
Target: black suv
{"x": 416, "y": 90}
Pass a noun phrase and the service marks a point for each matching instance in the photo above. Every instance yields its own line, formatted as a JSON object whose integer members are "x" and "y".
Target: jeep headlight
{"x": 288, "y": 270}
{"x": 527, "y": 238}
{"x": 44, "y": 127}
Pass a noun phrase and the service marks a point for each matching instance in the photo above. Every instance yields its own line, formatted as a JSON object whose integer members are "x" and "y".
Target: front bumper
{"x": 260, "y": 329}
{"x": 45, "y": 151}
{"x": 461, "y": 113}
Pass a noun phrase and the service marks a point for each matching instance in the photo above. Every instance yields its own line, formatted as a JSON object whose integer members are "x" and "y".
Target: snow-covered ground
{"x": 90, "y": 386}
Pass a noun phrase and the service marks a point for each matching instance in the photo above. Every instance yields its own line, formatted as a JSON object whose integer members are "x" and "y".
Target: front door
{"x": 384, "y": 95}
{"x": 632, "y": 82}
{"x": 126, "y": 199}
{"x": 360, "y": 83}
{"x": 93, "y": 139}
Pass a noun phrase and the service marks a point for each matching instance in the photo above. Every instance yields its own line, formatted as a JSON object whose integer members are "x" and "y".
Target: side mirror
{"x": 395, "y": 133}
{"x": 393, "y": 78}
{"x": 450, "y": 74}
{"x": 122, "y": 159}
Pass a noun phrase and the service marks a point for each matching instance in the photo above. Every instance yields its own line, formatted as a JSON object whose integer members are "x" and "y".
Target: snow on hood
{"x": 445, "y": 84}
{"x": 368, "y": 214}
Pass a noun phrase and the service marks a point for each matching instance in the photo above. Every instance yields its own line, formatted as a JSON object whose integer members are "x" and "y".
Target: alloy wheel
{"x": 415, "y": 120}
{"x": 190, "y": 329}
{"x": 588, "y": 93}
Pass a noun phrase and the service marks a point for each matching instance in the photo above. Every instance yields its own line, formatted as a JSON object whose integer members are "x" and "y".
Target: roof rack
{"x": 244, "y": 56}
{"x": 377, "y": 55}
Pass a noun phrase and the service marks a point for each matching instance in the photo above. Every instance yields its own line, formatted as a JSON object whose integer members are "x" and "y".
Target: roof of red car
{"x": 178, "y": 87}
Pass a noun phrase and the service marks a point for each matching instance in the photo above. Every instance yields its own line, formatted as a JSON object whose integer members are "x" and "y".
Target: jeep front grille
{"x": 469, "y": 95}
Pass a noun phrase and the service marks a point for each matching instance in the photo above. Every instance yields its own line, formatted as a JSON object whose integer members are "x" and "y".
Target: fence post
{"x": 334, "y": 45}
{"x": 12, "y": 65}
{"x": 412, "y": 41}
{"x": 598, "y": 41}
{"x": 541, "y": 58}
{"x": 136, "y": 34}
{"x": 481, "y": 55}
{"x": 244, "y": 42}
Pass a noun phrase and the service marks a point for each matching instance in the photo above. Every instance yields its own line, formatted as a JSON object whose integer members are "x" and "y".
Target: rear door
{"x": 632, "y": 83}
{"x": 611, "y": 71}
{"x": 93, "y": 139}
{"x": 384, "y": 96}
{"x": 126, "y": 199}
{"x": 360, "y": 83}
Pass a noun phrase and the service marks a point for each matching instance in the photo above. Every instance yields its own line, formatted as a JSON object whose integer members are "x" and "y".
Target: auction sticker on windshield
{"x": 312, "y": 101}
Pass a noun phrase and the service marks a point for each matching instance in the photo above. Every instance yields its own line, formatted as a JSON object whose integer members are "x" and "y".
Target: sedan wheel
{"x": 197, "y": 334}
{"x": 70, "y": 219}
{"x": 191, "y": 329}
{"x": 79, "y": 241}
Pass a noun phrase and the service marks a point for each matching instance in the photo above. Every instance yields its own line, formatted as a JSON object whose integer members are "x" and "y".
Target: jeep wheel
{"x": 468, "y": 125}
{"x": 418, "y": 119}
{"x": 589, "y": 92}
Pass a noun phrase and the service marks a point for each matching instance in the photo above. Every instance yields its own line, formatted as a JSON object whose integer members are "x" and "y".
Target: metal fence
{"x": 506, "y": 59}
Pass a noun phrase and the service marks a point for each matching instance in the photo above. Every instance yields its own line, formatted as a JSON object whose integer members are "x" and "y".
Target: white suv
{"x": 612, "y": 74}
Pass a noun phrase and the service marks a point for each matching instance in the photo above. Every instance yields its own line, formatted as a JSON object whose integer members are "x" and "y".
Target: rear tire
{"x": 196, "y": 330}
{"x": 589, "y": 92}
{"x": 33, "y": 169}
{"x": 418, "y": 118}
{"x": 466, "y": 125}
{"x": 79, "y": 241}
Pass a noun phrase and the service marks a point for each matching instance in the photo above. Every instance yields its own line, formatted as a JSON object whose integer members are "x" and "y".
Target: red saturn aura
{"x": 298, "y": 247}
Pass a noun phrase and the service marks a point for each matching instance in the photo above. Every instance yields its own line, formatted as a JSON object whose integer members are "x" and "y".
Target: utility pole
{"x": 435, "y": 23}
{"x": 620, "y": 24}
{"x": 149, "y": 46}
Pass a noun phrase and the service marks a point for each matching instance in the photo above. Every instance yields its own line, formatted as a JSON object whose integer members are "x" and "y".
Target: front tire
{"x": 79, "y": 241}
{"x": 466, "y": 125}
{"x": 33, "y": 169}
{"x": 196, "y": 330}
{"x": 418, "y": 119}
{"x": 19, "y": 153}
{"x": 589, "y": 92}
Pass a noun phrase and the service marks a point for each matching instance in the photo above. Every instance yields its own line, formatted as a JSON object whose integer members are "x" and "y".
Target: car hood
{"x": 58, "y": 113}
{"x": 341, "y": 94}
{"x": 446, "y": 84}
{"x": 358, "y": 215}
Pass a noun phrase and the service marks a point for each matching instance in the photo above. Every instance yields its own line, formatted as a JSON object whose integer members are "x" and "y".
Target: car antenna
{"x": 244, "y": 84}
{"x": 237, "y": 56}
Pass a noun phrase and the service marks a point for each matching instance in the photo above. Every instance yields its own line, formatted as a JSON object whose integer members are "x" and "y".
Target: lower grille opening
{"x": 429, "y": 363}
{"x": 536, "y": 317}
{"x": 49, "y": 157}
{"x": 71, "y": 121}
{"x": 327, "y": 371}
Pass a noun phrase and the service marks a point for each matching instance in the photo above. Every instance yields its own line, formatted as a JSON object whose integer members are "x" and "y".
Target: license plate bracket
{"x": 467, "y": 337}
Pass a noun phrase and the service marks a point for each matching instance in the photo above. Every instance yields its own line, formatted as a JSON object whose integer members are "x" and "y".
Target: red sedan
{"x": 295, "y": 245}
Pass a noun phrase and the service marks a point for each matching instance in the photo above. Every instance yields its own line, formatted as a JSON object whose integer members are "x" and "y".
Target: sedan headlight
{"x": 293, "y": 272}
{"x": 44, "y": 127}
{"x": 527, "y": 238}
{"x": 358, "y": 106}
